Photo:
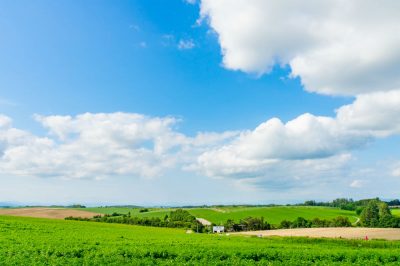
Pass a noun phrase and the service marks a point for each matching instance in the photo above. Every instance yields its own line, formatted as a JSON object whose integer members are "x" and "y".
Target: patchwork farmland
{"x": 219, "y": 215}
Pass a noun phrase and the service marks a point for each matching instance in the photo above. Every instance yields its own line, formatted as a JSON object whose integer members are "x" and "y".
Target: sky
{"x": 198, "y": 102}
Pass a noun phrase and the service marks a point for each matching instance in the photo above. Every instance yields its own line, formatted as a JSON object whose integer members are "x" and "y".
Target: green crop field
{"x": 273, "y": 215}
{"x": 396, "y": 212}
{"x": 33, "y": 241}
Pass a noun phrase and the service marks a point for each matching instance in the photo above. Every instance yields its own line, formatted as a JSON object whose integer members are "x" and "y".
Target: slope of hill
{"x": 273, "y": 215}
{"x": 219, "y": 215}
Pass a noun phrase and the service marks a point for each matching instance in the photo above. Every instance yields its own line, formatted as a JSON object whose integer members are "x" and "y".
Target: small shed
{"x": 218, "y": 229}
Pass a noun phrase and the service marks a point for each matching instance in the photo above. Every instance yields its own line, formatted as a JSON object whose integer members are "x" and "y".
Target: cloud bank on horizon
{"x": 334, "y": 47}
{"x": 105, "y": 145}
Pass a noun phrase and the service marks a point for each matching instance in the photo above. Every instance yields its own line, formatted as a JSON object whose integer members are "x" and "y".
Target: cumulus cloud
{"x": 306, "y": 138}
{"x": 335, "y": 47}
{"x": 102, "y": 145}
{"x": 303, "y": 150}
{"x": 374, "y": 113}
{"x": 92, "y": 146}
{"x": 273, "y": 144}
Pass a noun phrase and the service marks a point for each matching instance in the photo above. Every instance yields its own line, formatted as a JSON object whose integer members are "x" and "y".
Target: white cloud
{"x": 273, "y": 144}
{"x": 356, "y": 183}
{"x": 101, "y": 145}
{"x": 375, "y": 113}
{"x": 5, "y": 121}
{"x": 306, "y": 149}
{"x": 307, "y": 138}
{"x": 92, "y": 146}
{"x": 335, "y": 47}
{"x": 186, "y": 44}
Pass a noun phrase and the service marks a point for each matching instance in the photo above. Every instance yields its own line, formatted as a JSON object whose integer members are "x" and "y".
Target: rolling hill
{"x": 219, "y": 215}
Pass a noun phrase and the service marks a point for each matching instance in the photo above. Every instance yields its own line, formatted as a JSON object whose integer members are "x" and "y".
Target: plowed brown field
{"x": 333, "y": 232}
{"x": 52, "y": 213}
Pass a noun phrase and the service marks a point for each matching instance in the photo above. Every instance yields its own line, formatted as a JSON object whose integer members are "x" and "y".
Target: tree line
{"x": 176, "y": 219}
{"x": 349, "y": 204}
{"x": 252, "y": 224}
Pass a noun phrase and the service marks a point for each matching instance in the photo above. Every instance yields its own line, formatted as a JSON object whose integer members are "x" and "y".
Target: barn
{"x": 218, "y": 229}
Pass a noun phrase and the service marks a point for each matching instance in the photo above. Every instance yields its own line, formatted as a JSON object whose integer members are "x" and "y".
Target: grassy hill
{"x": 273, "y": 215}
{"x": 33, "y": 241}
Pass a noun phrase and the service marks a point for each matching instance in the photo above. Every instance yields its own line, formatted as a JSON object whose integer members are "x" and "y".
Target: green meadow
{"x": 273, "y": 215}
{"x": 33, "y": 241}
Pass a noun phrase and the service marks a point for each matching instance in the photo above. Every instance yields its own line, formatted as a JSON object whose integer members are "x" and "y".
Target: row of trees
{"x": 252, "y": 223}
{"x": 247, "y": 224}
{"x": 349, "y": 204}
{"x": 342, "y": 203}
{"x": 176, "y": 219}
{"x": 301, "y": 222}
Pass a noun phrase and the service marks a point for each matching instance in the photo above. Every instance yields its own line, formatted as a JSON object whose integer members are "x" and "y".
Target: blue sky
{"x": 68, "y": 58}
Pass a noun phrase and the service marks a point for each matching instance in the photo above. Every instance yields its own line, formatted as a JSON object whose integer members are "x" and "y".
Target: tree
{"x": 359, "y": 210}
{"x": 341, "y": 221}
{"x": 285, "y": 224}
{"x": 370, "y": 214}
{"x": 384, "y": 210}
{"x": 310, "y": 203}
{"x": 395, "y": 202}
{"x": 300, "y": 222}
{"x": 230, "y": 225}
{"x": 181, "y": 215}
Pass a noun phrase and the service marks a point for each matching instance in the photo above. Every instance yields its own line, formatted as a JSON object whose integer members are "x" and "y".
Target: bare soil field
{"x": 203, "y": 221}
{"x": 52, "y": 213}
{"x": 333, "y": 232}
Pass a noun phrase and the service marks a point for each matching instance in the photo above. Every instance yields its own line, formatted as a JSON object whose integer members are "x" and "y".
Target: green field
{"x": 273, "y": 215}
{"x": 396, "y": 212}
{"x": 33, "y": 241}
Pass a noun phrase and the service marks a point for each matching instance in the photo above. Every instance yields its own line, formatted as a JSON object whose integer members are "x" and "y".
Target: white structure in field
{"x": 218, "y": 229}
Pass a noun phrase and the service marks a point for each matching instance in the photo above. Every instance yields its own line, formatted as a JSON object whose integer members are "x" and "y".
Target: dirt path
{"x": 218, "y": 210}
{"x": 52, "y": 213}
{"x": 333, "y": 232}
{"x": 203, "y": 221}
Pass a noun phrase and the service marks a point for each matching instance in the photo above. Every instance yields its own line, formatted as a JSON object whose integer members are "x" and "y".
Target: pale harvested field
{"x": 333, "y": 232}
{"x": 52, "y": 213}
